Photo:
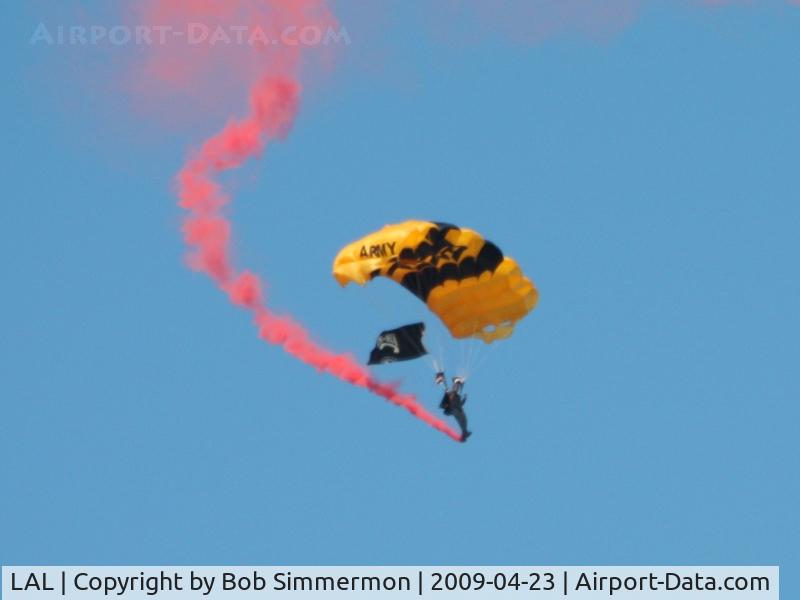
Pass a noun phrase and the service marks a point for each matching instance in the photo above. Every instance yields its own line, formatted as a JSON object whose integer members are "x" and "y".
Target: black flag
{"x": 403, "y": 343}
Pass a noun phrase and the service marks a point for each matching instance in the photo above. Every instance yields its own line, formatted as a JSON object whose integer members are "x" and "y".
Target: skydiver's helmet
{"x": 458, "y": 383}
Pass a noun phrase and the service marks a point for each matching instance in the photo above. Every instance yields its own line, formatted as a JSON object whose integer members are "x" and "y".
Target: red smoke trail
{"x": 273, "y": 106}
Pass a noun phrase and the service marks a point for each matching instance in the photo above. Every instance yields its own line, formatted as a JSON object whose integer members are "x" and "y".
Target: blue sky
{"x": 645, "y": 413}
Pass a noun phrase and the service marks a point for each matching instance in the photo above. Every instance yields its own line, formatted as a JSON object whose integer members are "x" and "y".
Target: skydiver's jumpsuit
{"x": 453, "y": 404}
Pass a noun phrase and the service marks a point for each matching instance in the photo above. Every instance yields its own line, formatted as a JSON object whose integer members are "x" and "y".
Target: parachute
{"x": 464, "y": 279}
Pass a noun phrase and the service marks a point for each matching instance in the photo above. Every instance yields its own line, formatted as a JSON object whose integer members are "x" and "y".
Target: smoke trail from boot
{"x": 273, "y": 105}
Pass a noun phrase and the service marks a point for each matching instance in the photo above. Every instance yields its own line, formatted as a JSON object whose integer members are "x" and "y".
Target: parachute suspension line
{"x": 482, "y": 355}
{"x": 438, "y": 354}
{"x": 472, "y": 348}
{"x": 461, "y": 356}
{"x": 475, "y": 352}
{"x": 442, "y": 350}
{"x": 483, "y": 358}
{"x": 470, "y": 354}
{"x": 432, "y": 359}
{"x": 465, "y": 349}
{"x": 435, "y": 360}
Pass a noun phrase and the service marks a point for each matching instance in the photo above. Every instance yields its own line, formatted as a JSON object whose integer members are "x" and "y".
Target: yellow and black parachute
{"x": 464, "y": 279}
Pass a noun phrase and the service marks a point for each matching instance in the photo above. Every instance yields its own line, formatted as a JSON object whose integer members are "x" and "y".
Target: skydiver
{"x": 453, "y": 402}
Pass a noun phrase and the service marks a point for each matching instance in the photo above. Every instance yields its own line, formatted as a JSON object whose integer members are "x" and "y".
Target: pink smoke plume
{"x": 274, "y": 99}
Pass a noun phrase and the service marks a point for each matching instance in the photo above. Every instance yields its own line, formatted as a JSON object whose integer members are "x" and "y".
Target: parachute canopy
{"x": 464, "y": 279}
